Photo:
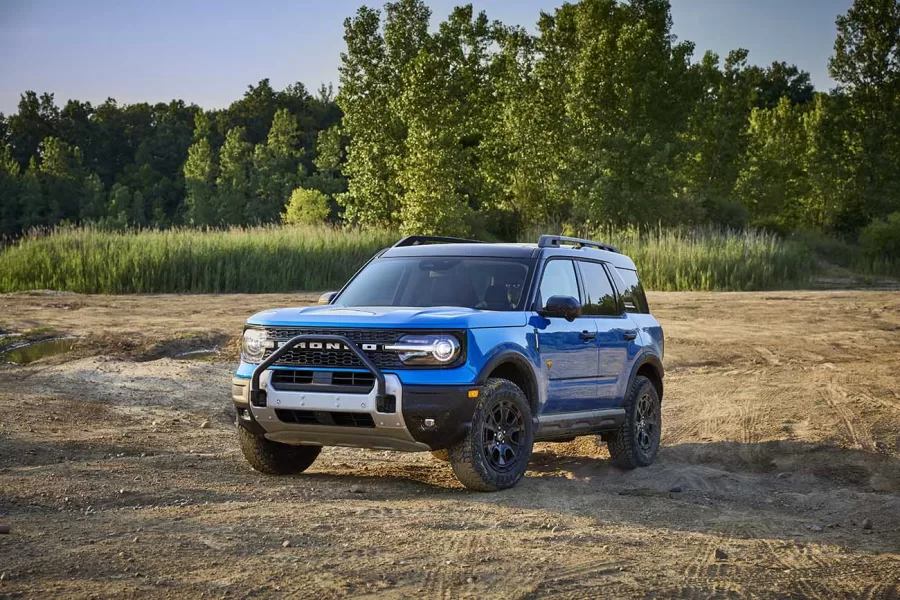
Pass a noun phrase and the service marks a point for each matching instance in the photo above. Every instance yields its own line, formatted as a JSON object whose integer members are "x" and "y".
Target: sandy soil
{"x": 779, "y": 475}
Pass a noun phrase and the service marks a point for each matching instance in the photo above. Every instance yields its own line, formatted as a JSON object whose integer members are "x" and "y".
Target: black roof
{"x": 475, "y": 249}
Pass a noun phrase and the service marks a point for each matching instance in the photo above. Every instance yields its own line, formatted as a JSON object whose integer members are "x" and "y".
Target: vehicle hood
{"x": 435, "y": 317}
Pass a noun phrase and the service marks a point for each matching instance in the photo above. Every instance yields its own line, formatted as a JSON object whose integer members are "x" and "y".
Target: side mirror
{"x": 565, "y": 307}
{"x": 327, "y": 297}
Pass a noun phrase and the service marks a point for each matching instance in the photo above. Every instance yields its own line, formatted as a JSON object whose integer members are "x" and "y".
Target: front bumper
{"x": 424, "y": 417}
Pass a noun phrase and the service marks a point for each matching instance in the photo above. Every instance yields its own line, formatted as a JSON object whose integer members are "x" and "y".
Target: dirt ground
{"x": 779, "y": 474}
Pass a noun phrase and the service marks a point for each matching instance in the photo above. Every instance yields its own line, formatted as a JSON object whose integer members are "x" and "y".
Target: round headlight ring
{"x": 445, "y": 349}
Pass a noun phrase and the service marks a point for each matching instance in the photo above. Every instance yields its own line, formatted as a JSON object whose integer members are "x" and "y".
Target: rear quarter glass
{"x": 632, "y": 293}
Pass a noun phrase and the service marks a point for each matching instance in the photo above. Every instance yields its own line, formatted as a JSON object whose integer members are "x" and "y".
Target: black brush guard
{"x": 258, "y": 396}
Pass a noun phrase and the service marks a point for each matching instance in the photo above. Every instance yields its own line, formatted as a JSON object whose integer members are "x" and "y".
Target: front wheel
{"x": 273, "y": 458}
{"x": 494, "y": 454}
{"x": 636, "y": 442}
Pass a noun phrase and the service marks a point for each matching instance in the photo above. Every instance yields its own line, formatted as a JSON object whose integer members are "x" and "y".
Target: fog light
{"x": 429, "y": 422}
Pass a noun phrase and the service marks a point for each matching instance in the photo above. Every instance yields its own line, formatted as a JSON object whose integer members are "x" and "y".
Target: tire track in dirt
{"x": 580, "y": 579}
{"x": 708, "y": 421}
{"x": 836, "y": 396}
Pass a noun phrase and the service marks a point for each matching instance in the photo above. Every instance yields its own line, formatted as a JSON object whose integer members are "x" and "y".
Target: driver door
{"x": 569, "y": 355}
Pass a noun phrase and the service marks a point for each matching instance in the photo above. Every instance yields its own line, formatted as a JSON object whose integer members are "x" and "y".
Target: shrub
{"x": 306, "y": 207}
{"x": 880, "y": 241}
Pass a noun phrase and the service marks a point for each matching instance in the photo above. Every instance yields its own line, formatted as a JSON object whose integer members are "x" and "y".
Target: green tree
{"x": 276, "y": 169}
{"x": 10, "y": 184}
{"x": 34, "y": 207}
{"x": 866, "y": 63}
{"x": 37, "y": 119}
{"x": 306, "y": 207}
{"x": 62, "y": 180}
{"x": 774, "y": 182}
{"x": 622, "y": 90}
{"x": 93, "y": 201}
{"x": 435, "y": 167}
{"x": 233, "y": 182}
{"x": 783, "y": 80}
{"x": 371, "y": 74}
{"x": 121, "y": 202}
{"x": 328, "y": 178}
{"x": 715, "y": 140}
{"x": 201, "y": 201}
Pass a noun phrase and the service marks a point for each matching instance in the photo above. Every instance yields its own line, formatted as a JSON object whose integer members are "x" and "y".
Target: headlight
{"x": 426, "y": 349}
{"x": 254, "y": 345}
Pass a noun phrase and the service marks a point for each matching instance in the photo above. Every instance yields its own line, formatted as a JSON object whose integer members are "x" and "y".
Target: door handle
{"x": 587, "y": 335}
{"x": 629, "y": 336}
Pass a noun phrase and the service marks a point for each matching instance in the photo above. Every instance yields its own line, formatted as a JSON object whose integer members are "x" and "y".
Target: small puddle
{"x": 27, "y": 353}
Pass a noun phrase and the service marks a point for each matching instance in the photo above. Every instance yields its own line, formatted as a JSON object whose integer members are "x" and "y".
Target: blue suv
{"x": 470, "y": 350}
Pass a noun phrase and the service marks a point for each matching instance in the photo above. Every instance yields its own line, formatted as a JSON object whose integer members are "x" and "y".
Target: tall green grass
{"x": 260, "y": 259}
{"x": 706, "y": 259}
{"x": 282, "y": 259}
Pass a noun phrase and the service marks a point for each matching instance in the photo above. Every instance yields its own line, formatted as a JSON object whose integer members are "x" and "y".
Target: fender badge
{"x": 549, "y": 364}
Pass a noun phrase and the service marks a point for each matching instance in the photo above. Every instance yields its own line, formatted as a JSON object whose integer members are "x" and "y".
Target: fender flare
{"x": 648, "y": 358}
{"x": 521, "y": 361}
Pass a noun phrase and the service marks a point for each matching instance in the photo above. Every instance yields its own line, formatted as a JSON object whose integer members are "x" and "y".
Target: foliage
{"x": 169, "y": 154}
{"x": 880, "y": 242}
{"x": 314, "y": 258}
{"x": 598, "y": 116}
{"x": 258, "y": 259}
{"x": 306, "y": 207}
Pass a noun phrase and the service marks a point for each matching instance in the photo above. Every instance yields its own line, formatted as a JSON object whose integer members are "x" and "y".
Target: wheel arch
{"x": 650, "y": 366}
{"x": 515, "y": 367}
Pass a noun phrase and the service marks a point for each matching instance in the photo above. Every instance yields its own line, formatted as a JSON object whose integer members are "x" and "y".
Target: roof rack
{"x": 555, "y": 241}
{"x": 419, "y": 240}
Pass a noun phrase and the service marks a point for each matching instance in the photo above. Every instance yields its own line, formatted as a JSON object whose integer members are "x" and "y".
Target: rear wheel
{"x": 636, "y": 442}
{"x": 494, "y": 454}
{"x": 273, "y": 458}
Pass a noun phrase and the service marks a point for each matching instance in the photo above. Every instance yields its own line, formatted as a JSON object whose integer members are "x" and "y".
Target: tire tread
{"x": 273, "y": 458}
{"x": 621, "y": 443}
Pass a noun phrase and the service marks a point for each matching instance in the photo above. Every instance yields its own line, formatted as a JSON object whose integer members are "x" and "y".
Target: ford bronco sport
{"x": 470, "y": 350}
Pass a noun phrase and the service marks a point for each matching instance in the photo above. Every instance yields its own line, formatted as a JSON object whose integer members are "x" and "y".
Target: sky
{"x": 207, "y": 52}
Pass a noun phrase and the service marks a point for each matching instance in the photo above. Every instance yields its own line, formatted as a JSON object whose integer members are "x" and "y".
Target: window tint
{"x": 483, "y": 283}
{"x": 599, "y": 297}
{"x": 558, "y": 280}
{"x": 633, "y": 295}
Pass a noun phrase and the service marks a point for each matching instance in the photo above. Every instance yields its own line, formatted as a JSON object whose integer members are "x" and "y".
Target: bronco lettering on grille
{"x": 330, "y": 346}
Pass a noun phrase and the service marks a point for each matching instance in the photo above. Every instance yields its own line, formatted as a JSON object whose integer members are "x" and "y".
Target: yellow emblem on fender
{"x": 549, "y": 364}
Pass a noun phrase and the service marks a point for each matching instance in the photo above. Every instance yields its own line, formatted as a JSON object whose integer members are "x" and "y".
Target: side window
{"x": 633, "y": 295}
{"x": 599, "y": 297}
{"x": 558, "y": 280}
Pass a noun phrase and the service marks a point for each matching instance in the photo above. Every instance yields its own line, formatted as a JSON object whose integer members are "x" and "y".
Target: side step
{"x": 569, "y": 425}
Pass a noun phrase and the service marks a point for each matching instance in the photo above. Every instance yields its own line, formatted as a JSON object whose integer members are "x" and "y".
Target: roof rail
{"x": 418, "y": 240}
{"x": 555, "y": 241}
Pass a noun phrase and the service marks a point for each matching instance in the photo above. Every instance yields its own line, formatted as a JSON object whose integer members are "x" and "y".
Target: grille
{"x": 305, "y": 357}
{"x": 333, "y": 419}
{"x": 322, "y": 381}
{"x": 353, "y": 379}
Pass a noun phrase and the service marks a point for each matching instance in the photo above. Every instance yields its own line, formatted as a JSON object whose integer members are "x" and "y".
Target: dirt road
{"x": 779, "y": 475}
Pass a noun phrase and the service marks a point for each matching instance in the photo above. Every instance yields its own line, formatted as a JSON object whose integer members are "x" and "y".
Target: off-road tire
{"x": 469, "y": 459}
{"x": 442, "y": 455}
{"x": 273, "y": 458}
{"x": 628, "y": 445}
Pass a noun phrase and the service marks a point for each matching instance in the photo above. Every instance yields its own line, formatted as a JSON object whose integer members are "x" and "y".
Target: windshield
{"x": 482, "y": 283}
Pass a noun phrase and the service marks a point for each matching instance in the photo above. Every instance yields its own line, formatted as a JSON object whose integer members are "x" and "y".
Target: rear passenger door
{"x": 568, "y": 351}
{"x": 615, "y": 331}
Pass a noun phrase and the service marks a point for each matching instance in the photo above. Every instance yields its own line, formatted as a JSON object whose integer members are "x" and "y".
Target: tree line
{"x": 169, "y": 164}
{"x": 601, "y": 117}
